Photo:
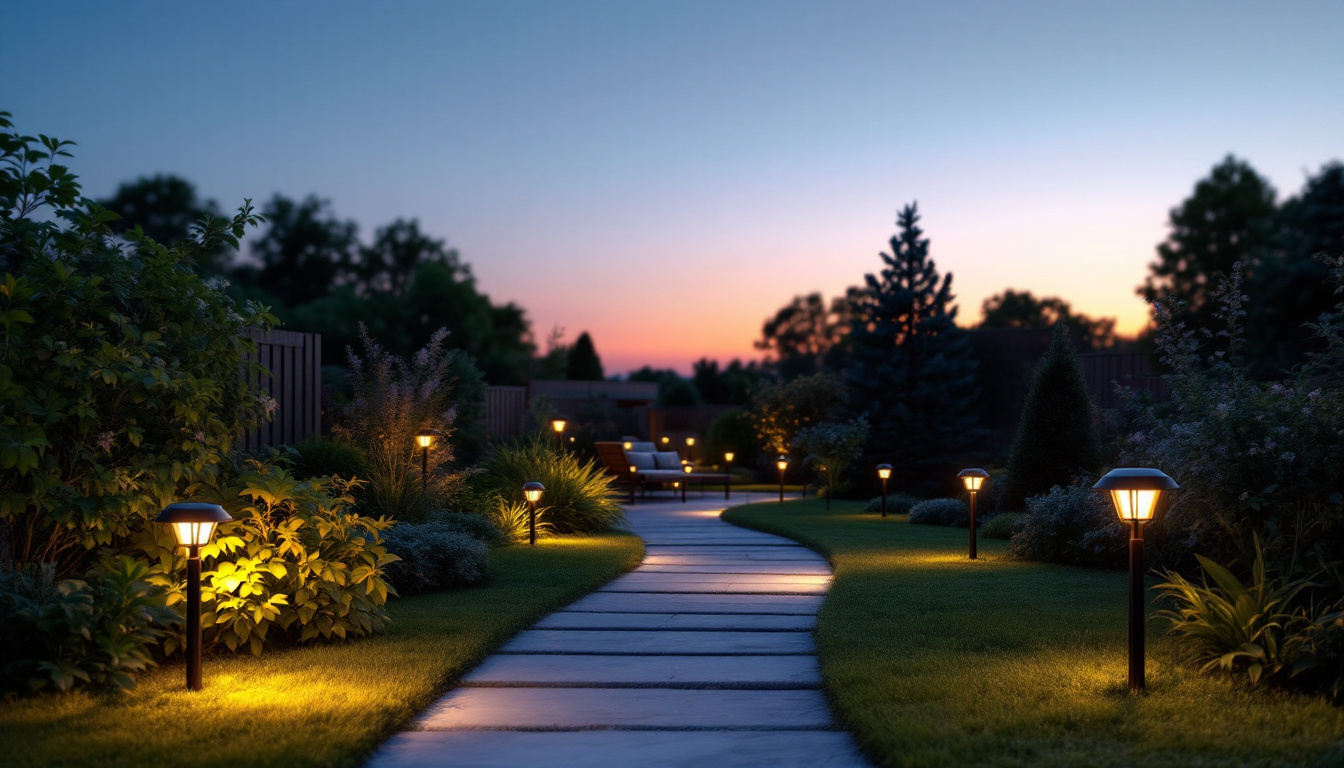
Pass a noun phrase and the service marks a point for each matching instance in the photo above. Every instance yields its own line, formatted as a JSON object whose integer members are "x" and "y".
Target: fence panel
{"x": 1103, "y": 370}
{"x": 505, "y": 412}
{"x": 295, "y": 383}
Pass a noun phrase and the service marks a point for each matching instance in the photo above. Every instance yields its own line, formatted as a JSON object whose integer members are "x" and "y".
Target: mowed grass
{"x": 934, "y": 660}
{"x": 318, "y": 706}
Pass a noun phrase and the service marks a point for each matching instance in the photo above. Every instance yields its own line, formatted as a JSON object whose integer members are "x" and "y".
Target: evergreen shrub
{"x": 1000, "y": 526}
{"x": 1071, "y": 525}
{"x": 435, "y": 556}
{"x": 950, "y": 512}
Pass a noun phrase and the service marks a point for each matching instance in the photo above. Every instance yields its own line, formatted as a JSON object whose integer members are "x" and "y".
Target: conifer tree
{"x": 910, "y": 369}
{"x": 584, "y": 364}
{"x": 1056, "y": 439}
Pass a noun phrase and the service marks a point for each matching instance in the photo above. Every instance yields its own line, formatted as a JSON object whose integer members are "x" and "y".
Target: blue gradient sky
{"x": 666, "y": 175}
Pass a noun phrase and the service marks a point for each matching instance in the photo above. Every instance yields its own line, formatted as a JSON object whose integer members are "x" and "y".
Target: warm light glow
{"x": 424, "y": 440}
{"x": 884, "y": 472}
{"x": 532, "y": 495}
{"x": 627, "y": 445}
{"x": 532, "y": 491}
{"x": 1135, "y": 505}
{"x": 676, "y": 485}
{"x": 193, "y": 534}
{"x": 558, "y": 424}
{"x": 665, "y": 439}
{"x": 690, "y": 441}
{"x": 728, "y": 456}
{"x": 782, "y": 463}
{"x": 633, "y": 469}
{"x": 972, "y": 483}
{"x": 686, "y": 468}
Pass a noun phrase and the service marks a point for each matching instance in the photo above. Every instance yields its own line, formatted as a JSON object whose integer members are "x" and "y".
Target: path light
{"x": 690, "y": 448}
{"x": 665, "y": 439}
{"x": 193, "y": 524}
{"x": 973, "y": 479}
{"x": 627, "y": 445}
{"x": 1135, "y": 491}
{"x": 884, "y": 472}
{"x": 685, "y": 467}
{"x": 728, "y": 484}
{"x": 424, "y": 440}
{"x": 634, "y": 478}
{"x": 532, "y": 491}
{"x": 558, "y": 424}
{"x": 783, "y": 464}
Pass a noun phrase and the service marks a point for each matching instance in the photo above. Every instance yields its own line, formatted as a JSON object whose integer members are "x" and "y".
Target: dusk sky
{"x": 666, "y": 175}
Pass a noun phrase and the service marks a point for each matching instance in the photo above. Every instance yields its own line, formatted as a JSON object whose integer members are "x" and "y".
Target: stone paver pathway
{"x": 702, "y": 656}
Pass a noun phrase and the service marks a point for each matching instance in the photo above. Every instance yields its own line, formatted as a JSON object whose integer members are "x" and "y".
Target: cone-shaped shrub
{"x": 1056, "y": 439}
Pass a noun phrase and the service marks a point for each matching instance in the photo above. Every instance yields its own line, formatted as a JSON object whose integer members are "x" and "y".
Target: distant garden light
{"x": 627, "y": 445}
{"x": 532, "y": 491}
{"x": 193, "y": 525}
{"x": 558, "y": 424}
{"x": 728, "y": 484}
{"x": 690, "y": 448}
{"x": 973, "y": 479}
{"x": 685, "y": 467}
{"x": 1134, "y": 492}
{"x": 634, "y": 479}
{"x": 424, "y": 440}
{"x": 884, "y": 474}
{"x": 783, "y": 464}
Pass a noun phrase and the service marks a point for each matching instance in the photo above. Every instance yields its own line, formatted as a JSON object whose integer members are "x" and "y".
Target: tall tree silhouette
{"x": 304, "y": 252}
{"x": 583, "y": 364}
{"x": 910, "y": 368}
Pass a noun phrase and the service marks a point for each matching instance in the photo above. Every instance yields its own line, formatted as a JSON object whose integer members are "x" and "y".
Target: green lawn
{"x": 319, "y": 706}
{"x": 934, "y": 660}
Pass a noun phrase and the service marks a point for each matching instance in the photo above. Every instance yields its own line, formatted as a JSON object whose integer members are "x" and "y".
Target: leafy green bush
{"x": 830, "y": 447}
{"x": 579, "y": 493}
{"x": 897, "y": 504}
{"x": 298, "y": 563}
{"x": 951, "y": 512}
{"x": 93, "y": 632}
{"x": 119, "y": 373}
{"x": 733, "y": 431}
{"x": 513, "y": 520}
{"x": 478, "y": 527}
{"x": 1000, "y": 526}
{"x": 328, "y": 457}
{"x": 1257, "y": 628}
{"x": 1073, "y": 525}
{"x": 435, "y": 556}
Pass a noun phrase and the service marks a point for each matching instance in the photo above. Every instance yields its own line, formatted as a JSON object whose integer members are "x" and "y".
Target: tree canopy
{"x": 1020, "y": 309}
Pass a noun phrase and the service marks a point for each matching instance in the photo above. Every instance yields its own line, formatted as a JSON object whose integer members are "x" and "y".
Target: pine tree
{"x": 1056, "y": 438}
{"x": 584, "y": 364}
{"x": 910, "y": 368}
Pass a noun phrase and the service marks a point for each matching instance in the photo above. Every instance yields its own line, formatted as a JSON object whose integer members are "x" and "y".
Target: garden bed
{"x": 327, "y": 705}
{"x": 935, "y": 660}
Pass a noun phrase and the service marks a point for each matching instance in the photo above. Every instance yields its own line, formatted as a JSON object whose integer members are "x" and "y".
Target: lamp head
{"x": 633, "y": 469}
{"x": 782, "y": 463}
{"x": 884, "y": 471}
{"x": 193, "y": 522}
{"x": 558, "y": 424}
{"x": 627, "y": 445}
{"x": 533, "y": 491}
{"x": 424, "y": 439}
{"x": 728, "y": 456}
{"x": 690, "y": 441}
{"x": 1135, "y": 490}
{"x": 686, "y": 468}
{"x": 973, "y": 478}
{"x": 665, "y": 439}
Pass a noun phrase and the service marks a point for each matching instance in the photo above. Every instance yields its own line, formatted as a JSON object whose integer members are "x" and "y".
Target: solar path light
{"x": 532, "y": 491}
{"x": 685, "y": 467}
{"x": 558, "y": 424}
{"x": 783, "y": 464}
{"x": 1135, "y": 491}
{"x": 728, "y": 460}
{"x": 973, "y": 479}
{"x": 690, "y": 448}
{"x": 193, "y": 524}
{"x": 884, "y": 473}
{"x": 424, "y": 440}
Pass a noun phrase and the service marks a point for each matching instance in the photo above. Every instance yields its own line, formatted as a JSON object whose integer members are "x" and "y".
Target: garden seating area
{"x": 641, "y": 467}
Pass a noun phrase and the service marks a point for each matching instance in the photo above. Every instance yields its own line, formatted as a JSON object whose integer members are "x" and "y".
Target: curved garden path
{"x": 701, "y": 656}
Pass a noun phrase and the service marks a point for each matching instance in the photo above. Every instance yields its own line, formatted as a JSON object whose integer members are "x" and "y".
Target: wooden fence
{"x": 1104, "y": 370}
{"x": 505, "y": 412}
{"x": 295, "y": 384}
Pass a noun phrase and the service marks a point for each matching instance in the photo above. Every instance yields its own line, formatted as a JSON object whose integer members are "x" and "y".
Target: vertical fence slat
{"x": 294, "y": 382}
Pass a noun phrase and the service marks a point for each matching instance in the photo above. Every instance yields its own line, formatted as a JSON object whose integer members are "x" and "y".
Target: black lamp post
{"x": 193, "y": 525}
{"x": 685, "y": 467}
{"x": 634, "y": 478}
{"x": 558, "y": 424}
{"x": 972, "y": 479}
{"x": 690, "y": 449}
{"x": 532, "y": 491}
{"x": 783, "y": 464}
{"x": 1135, "y": 491}
{"x": 728, "y": 484}
{"x": 424, "y": 440}
{"x": 884, "y": 472}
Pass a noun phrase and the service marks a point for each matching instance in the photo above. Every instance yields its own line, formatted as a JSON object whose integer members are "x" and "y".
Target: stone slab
{"x": 651, "y": 671}
{"x": 619, "y": 749}
{"x": 715, "y": 586}
{"x": 728, "y": 558}
{"x": 663, "y": 642}
{"x": 626, "y": 708}
{"x": 566, "y": 620}
{"x": 697, "y": 603}
{"x": 797, "y": 568}
{"x": 644, "y": 577}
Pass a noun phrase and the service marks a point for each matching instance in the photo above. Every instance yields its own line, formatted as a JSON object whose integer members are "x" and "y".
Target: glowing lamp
{"x": 690, "y": 441}
{"x": 627, "y": 445}
{"x": 884, "y": 471}
{"x": 532, "y": 491}
{"x": 1134, "y": 492}
{"x": 783, "y": 464}
{"x": 686, "y": 467}
{"x": 193, "y": 525}
{"x": 633, "y": 469}
{"x": 558, "y": 424}
{"x": 424, "y": 439}
{"x": 665, "y": 439}
{"x": 973, "y": 478}
{"x": 728, "y": 457}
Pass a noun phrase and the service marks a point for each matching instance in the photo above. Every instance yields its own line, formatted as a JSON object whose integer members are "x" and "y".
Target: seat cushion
{"x": 642, "y": 447}
{"x": 640, "y": 460}
{"x": 666, "y": 460}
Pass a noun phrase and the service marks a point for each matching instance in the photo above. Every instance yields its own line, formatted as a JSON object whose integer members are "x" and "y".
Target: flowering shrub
{"x": 831, "y": 447}
{"x": 393, "y": 400}
{"x": 1072, "y": 525}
